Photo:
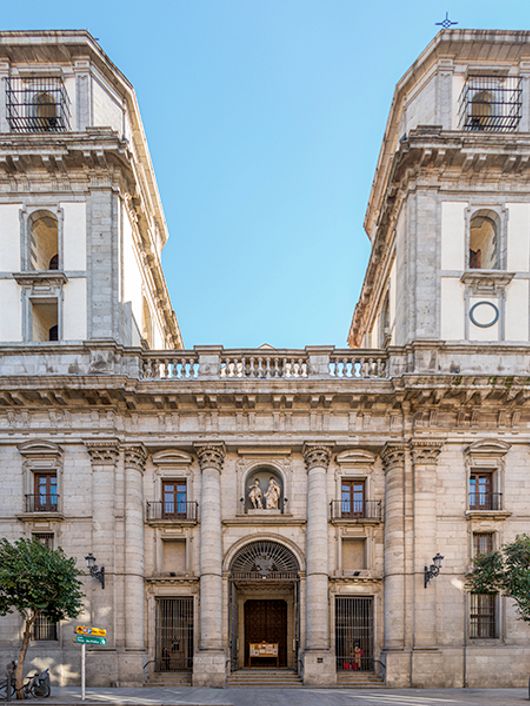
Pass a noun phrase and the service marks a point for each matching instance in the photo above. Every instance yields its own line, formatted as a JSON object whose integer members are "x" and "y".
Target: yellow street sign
{"x": 94, "y": 632}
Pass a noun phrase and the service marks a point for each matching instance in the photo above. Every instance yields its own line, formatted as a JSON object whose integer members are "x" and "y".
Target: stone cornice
{"x": 211, "y": 455}
{"x": 317, "y": 455}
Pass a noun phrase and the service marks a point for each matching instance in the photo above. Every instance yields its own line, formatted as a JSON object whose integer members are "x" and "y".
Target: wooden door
{"x": 266, "y": 621}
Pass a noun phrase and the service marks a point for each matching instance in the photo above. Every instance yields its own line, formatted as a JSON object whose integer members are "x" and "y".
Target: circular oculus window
{"x": 484, "y": 314}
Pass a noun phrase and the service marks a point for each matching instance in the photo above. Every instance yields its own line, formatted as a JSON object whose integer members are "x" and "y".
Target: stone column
{"x": 397, "y": 672}
{"x": 319, "y": 667}
{"x": 104, "y": 456}
{"x": 134, "y": 463}
{"x": 424, "y": 457}
{"x": 209, "y": 664}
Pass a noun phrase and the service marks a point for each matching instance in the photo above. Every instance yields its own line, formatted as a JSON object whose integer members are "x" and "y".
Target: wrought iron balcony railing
{"x": 37, "y": 105}
{"x": 491, "y": 103}
{"x": 484, "y": 501}
{"x": 356, "y": 510}
{"x": 41, "y": 503}
{"x": 176, "y": 511}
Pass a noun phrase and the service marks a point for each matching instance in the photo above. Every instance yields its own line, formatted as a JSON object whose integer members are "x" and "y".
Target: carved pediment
{"x": 488, "y": 447}
{"x": 172, "y": 457}
{"x": 39, "y": 449}
{"x": 356, "y": 457}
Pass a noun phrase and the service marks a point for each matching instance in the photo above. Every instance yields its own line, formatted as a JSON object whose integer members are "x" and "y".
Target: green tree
{"x": 35, "y": 579}
{"x": 506, "y": 572}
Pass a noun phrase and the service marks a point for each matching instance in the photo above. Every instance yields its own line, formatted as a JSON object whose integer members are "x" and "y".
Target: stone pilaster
{"x": 209, "y": 663}
{"x": 134, "y": 463}
{"x": 424, "y": 459}
{"x": 318, "y": 660}
{"x": 394, "y": 459}
{"x": 104, "y": 456}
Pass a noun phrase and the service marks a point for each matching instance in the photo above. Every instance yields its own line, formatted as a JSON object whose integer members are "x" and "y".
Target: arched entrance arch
{"x": 264, "y": 605}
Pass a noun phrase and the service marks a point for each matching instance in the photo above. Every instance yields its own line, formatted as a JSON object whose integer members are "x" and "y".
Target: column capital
{"x": 211, "y": 455}
{"x": 135, "y": 456}
{"x": 393, "y": 454}
{"x": 317, "y": 456}
{"x": 103, "y": 452}
{"x": 425, "y": 452}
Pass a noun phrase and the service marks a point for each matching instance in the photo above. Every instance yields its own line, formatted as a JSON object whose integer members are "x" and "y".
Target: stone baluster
{"x": 209, "y": 663}
{"x": 318, "y": 665}
{"x": 134, "y": 462}
{"x": 424, "y": 458}
{"x": 104, "y": 456}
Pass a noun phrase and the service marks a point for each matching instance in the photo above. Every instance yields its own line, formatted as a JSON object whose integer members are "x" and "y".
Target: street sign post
{"x": 89, "y": 640}
{"x": 87, "y": 635}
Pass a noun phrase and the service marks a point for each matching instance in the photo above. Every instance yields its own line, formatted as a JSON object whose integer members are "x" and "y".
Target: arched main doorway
{"x": 264, "y": 606}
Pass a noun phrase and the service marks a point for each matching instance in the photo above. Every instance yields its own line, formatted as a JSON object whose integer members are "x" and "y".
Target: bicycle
{"x": 37, "y": 686}
{"x": 4, "y": 690}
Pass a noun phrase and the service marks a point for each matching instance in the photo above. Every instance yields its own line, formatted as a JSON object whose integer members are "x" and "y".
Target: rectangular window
{"x": 174, "y": 498}
{"x": 482, "y": 543}
{"x": 353, "y": 554}
{"x": 44, "y": 492}
{"x": 480, "y": 491}
{"x": 44, "y": 628}
{"x": 44, "y": 321}
{"x": 482, "y": 615}
{"x": 45, "y": 538}
{"x": 353, "y": 498}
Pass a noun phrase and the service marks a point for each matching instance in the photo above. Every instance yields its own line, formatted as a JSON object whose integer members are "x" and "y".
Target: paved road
{"x": 189, "y": 696}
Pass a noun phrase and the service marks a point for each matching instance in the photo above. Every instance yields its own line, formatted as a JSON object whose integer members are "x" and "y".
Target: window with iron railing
{"x": 491, "y": 103}
{"x": 481, "y": 495}
{"x": 45, "y": 497}
{"x": 37, "y": 105}
{"x": 44, "y": 628}
{"x": 483, "y": 615}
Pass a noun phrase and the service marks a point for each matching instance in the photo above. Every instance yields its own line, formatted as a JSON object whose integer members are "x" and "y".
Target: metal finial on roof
{"x": 446, "y": 23}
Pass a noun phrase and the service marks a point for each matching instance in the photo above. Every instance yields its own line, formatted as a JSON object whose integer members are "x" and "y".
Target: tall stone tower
{"x": 449, "y": 210}
{"x": 82, "y": 226}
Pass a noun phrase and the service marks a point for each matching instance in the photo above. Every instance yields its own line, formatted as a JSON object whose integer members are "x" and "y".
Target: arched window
{"x": 481, "y": 110}
{"x": 147, "y": 323}
{"x": 484, "y": 241}
{"x": 46, "y": 112}
{"x": 44, "y": 241}
{"x": 264, "y": 559}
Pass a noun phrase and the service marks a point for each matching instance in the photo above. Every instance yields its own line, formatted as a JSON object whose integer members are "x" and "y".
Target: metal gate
{"x": 174, "y": 634}
{"x": 354, "y": 633}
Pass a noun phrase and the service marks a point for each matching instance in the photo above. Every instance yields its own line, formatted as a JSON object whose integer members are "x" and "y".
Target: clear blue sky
{"x": 264, "y": 119}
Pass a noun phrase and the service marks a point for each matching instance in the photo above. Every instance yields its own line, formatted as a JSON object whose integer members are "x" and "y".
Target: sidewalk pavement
{"x": 190, "y": 696}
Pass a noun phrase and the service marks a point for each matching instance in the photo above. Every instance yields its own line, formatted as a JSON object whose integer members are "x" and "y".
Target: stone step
{"x": 276, "y": 678}
{"x": 169, "y": 679}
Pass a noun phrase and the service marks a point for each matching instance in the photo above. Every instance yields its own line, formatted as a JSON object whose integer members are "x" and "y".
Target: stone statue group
{"x": 271, "y": 497}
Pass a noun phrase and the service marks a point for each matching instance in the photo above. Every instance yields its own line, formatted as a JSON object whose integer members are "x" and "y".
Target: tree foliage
{"x": 506, "y": 572}
{"x": 37, "y": 580}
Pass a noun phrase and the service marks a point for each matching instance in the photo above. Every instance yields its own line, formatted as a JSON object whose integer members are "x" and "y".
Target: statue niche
{"x": 264, "y": 490}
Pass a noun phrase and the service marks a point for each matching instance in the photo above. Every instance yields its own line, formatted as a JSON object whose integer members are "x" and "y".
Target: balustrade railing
{"x": 177, "y": 366}
{"x": 484, "y": 501}
{"x": 264, "y": 365}
{"x": 41, "y": 503}
{"x": 358, "y": 364}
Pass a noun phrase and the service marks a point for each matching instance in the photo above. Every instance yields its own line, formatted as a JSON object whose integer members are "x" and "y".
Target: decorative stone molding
{"x": 104, "y": 452}
{"x": 211, "y": 456}
{"x": 39, "y": 449}
{"x": 488, "y": 448}
{"x": 393, "y": 455}
{"x": 425, "y": 453}
{"x": 317, "y": 456}
{"x": 171, "y": 457}
{"x": 135, "y": 456}
{"x": 490, "y": 282}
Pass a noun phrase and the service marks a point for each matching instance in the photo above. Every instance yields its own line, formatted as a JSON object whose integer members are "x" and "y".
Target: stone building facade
{"x": 269, "y": 508}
